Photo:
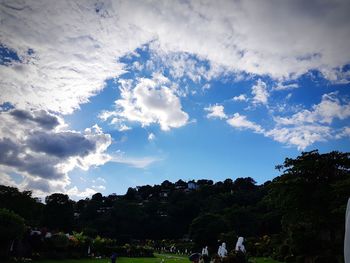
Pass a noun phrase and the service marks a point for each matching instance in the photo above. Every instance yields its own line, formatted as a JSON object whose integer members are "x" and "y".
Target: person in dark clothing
{"x": 114, "y": 257}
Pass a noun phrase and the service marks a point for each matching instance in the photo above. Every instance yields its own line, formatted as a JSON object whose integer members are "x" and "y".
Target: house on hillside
{"x": 192, "y": 185}
{"x": 180, "y": 185}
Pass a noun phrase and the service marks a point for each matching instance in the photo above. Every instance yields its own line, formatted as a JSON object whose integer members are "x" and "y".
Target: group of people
{"x": 222, "y": 252}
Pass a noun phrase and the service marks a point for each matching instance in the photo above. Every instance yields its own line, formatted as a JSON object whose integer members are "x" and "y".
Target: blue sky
{"x": 104, "y": 95}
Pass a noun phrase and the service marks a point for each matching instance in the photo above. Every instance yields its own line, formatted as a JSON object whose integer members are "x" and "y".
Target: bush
{"x": 11, "y": 228}
{"x": 326, "y": 259}
{"x": 300, "y": 259}
{"x": 57, "y": 246}
{"x": 289, "y": 259}
{"x": 235, "y": 257}
{"x": 59, "y": 241}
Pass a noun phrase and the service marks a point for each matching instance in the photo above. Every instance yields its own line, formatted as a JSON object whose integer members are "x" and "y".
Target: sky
{"x": 99, "y": 96}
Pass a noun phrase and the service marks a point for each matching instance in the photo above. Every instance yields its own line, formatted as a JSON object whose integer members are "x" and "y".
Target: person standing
{"x": 205, "y": 255}
{"x": 205, "y": 251}
{"x": 114, "y": 257}
{"x": 222, "y": 251}
{"x": 239, "y": 245}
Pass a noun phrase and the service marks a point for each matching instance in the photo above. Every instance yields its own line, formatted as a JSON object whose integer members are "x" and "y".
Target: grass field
{"x": 263, "y": 260}
{"x": 159, "y": 258}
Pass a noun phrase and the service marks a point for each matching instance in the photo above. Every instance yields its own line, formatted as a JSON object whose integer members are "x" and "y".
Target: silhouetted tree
{"x": 58, "y": 212}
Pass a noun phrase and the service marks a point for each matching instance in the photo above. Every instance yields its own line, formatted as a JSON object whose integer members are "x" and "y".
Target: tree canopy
{"x": 299, "y": 213}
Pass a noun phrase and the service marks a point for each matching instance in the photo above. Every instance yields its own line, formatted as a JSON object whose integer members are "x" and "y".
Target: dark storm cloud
{"x": 43, "y": 166}
{"x": 12, "y": 154}
{"x": 42, "y": 185}
{"x": 9, "y": 152}
{"x": 63, "y": 145}
{"x": 42, "y": 118}
{"x": 29, "y": 144}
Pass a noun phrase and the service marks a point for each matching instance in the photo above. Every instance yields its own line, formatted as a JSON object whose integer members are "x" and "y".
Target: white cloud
{"x": 300, "y": 136}
{"x": 330, "y": 108}
{"x": 181, "y": 64}
{"x": 206, "y": 86}
{"x": 241, "y": 97}
{"x": 281, "y": 86}
{"x": 216, "y": 111}
{"x": 149, "y": 102}
{"x": 260, "y": 93}
{"x": 124, "y": 127}
{"x": 344, "y": 132}
{"x": 151, "y": 136}
{"x": 309, "y": 126}
{"x": 240, "y": 122}
{"x": 74, "y": 47}
{"x": 306, "y": 127}
{"x": 5, "y": 179}
{"x": 75, "y": 193}
{"x": 99, "y": 187}
{"x": 100, "y": 179}
{"x": 137, "y": 162}
{"x": 68, "y": 49}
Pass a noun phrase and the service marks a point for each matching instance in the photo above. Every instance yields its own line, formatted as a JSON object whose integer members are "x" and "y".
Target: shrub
{"x": 289, "y": 259}
{"x": 11, "y": 228}
{"x": 325, "y": 259}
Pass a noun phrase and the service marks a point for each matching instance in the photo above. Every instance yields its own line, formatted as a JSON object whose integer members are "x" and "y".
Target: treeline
{"x": 299, "y": 216}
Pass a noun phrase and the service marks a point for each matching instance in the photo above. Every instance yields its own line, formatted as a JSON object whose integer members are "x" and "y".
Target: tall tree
{"x": 313, "y": 209}
{"x": 58, "y": 212}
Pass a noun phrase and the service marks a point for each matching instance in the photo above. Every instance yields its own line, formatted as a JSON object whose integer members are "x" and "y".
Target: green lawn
{"x": 264, "y": 260}
{"x": 159, "y": 258}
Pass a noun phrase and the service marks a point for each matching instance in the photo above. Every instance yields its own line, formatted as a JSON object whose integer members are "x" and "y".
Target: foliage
{"x": 58, "y": 212}
{"x": 11, "y": 228}
{"x": 22, "y": 203}
{"x": 206, "y": 229}
{"x": 298, "y": 216}
{"x": 311, "y": 194}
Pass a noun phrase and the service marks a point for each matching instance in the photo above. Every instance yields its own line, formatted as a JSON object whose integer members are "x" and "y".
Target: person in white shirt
{"x": 222, "y": 252}
{"x": 239, "y": 245}
{"x": 205, "y": 251}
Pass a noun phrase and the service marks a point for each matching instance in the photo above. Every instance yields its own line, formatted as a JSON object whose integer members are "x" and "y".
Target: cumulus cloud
{"x": 281, "y": 86}
{"x": 99, "y": 187}
{"x": 75, "y": 192}
{"x": 304, "y": 128}
{"x": 43, "y": 154}
{"x": 308, "y": 126}
{"x": 65, "y": 48}
{"x": 330, "y": 108}
{"x": 241, "y": 122}
{"x": 300, "y": 136}
{"x": 344, "y": 132}
{"x": 60, "y": 43}
{"x": 241, "y": 97}
{"x": 124, "y": 127}
{"x": 41, "y": 118}
{"x": 62, "y": 52}
{"x": 260, "y": 93}
{"x": 62, "y": 144}
{"x": 151, "y": 101}
{"x": 206, "y": 86}
{"x": 216, "y": 111}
